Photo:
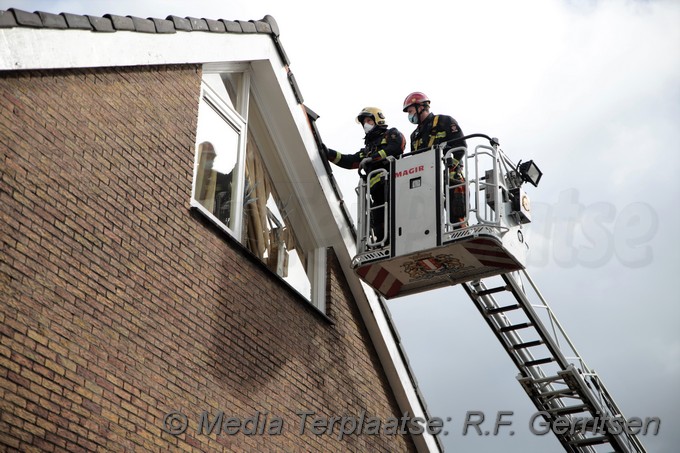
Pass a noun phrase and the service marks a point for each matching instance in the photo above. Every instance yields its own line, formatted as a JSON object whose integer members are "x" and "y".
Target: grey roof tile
{"x": 281, "y": 51}
{"x": 7, "y": 19}
{"x": 274, "y": 27}
{"x": 122, "y": 23}
{"x": 247, "y": 26}
{"x": 198, "y": 24}
{"x": 14, "y": 17}
{"x": 163, "y": 25}
{"x": 215, "y": 26}
{"x": 180, "y": 23}
{"x": 311, "y": 113}
{"x": 143, "y": 25}
{"x": 50, "y": 20}
{"x": 296, "y": 89}
{"x": 262, "y": 27}
{"x": 77, "y": 22}
{"x": 26, "y": 19}
{"x": 102, "y": 24}
{"x": 232, "y": 26}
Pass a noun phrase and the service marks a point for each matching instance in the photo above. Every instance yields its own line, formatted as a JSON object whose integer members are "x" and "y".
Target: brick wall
{"x": 120, "y": 305}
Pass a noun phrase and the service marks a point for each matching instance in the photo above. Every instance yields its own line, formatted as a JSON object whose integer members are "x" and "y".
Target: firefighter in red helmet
{"x": 380, "y": 141}
{"x": 433, "y": 130}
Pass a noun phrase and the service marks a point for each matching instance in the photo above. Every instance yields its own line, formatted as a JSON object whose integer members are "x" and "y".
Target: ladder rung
{"x": 527, "y": 344}
{"x": 539, "y": 361}
{"x": 530, "y": 380}
{"x": 493, "y": 311}
{"x": 565, "y": 392}
{"x": 522, "y": 325}
{"x": 589, "y": 441}
{"x": 486, "y": 292}
{"x": 568, "y": 410}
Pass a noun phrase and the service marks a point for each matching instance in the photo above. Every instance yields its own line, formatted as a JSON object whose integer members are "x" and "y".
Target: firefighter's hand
{"x": 362, "y": 165}
{"x": 452, "y": 162}
{"x": 330, "y": 153}
{"x": 365, "y": 161}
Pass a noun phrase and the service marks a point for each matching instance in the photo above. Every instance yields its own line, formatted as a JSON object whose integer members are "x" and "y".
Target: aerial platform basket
{"x": 442, "y": 231}
{"x": 423, "y": 247}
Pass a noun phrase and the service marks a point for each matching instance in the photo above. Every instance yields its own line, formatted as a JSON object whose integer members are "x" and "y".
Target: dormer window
{"x": 234, "y": 188}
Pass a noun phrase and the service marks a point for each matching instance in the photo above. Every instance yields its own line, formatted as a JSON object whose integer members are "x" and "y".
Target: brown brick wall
{"x": 120, "y": 305}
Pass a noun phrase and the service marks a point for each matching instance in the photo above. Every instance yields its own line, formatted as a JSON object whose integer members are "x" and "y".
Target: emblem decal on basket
{"x": 432, "y": 266}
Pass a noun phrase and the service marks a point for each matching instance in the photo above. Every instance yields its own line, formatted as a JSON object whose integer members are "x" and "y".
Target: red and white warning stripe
{"x": 380, "y": 279}
{"x": 490, "y": 254}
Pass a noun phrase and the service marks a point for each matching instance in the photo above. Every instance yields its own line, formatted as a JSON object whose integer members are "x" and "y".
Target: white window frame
{"x": 237, "y": 122}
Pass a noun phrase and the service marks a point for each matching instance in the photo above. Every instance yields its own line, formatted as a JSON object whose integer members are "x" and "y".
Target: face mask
{"x": 368, "y": 127}
{"x": 413, "y": 118}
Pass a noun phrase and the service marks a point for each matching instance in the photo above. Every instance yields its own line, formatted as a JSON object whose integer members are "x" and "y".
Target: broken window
{"x": 233, "y": 187}
{"x": 267, "y": 230}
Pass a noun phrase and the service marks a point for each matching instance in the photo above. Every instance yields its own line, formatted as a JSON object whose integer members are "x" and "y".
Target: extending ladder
{"x": 552, "y": 373}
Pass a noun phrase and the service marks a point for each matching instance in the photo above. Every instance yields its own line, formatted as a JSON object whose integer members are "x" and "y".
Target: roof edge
{"x": 108, "y": 23}
{"x": 15, "y": 17}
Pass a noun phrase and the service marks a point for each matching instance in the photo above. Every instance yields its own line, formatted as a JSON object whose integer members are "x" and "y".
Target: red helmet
{"x": 415, "y": 98}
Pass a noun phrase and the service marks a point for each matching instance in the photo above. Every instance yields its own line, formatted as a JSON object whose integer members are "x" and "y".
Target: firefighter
{"x": 433, "y": 130}
{"x": 380, "y": 142}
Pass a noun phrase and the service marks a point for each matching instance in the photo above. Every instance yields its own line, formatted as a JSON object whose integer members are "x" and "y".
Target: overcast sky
{"x": 588, "y": 89}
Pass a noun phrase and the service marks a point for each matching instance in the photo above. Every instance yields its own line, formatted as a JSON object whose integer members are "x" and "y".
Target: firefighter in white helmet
{"x": 380, "y": 141}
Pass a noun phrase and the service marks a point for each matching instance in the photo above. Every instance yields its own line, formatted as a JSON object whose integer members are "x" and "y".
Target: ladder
{"x": 552, "y": 373}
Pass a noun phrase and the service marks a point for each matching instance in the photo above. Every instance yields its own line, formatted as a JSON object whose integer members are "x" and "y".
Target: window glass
{"x": 217, "y": 158}
{"x": 232, "y": 82}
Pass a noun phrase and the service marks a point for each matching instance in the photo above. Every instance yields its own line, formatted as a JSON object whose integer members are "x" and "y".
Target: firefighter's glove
{"x": 362, "y": 165}
{"x": 452, "y": 162}
{"x": 330, "y": 153}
